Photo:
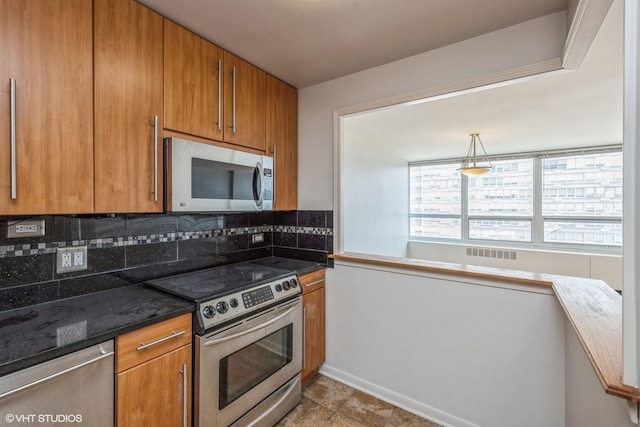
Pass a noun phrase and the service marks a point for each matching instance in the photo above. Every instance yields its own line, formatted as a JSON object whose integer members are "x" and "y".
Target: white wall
{"x": 586, "y": 403}
{"x": 375, "y": 199}
{"x": 460, "y": 354}
{"x": 529, "y": 43}
{"x": 594, "y": 266}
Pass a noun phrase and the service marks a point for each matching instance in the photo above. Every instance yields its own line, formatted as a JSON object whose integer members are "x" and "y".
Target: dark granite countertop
{"x": 28, "y": 335}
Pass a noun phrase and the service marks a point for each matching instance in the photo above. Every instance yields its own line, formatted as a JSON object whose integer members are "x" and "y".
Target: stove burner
{"x": 205, "y": 288}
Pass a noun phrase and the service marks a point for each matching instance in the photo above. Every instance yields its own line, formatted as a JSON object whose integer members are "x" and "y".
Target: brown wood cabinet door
{"x": 128, "y": 90}
{"x": 282, "y": 141}
{"x": 46, "y": 46}
{"x": 244, "y": 103}
{"x": 192, "y": 83}
{"x": 314, "y": 330}
{"x": 152, "y": 394}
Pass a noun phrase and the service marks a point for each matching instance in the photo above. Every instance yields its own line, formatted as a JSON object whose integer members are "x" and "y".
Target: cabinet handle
{"x": 155, "y": 158}
{"x": 219, "y": 94}
{"x": 304, "y": 338}
{"x": 161, "y": 340}
{"x": 12, "y": 107}
{"x": 184, "y": 395}
{"x": 233, "y": 128}
{"x": 274, "y": 180}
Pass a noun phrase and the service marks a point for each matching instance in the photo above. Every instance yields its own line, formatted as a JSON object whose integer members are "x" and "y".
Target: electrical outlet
{"x": 71, "y": 333}
{"x": 78, "y": 259}
{"x": 71, "y": 259}
{"x": 66, "y": 259}
{"x": 257, "y": 238}
{"x": 25, "y": 228}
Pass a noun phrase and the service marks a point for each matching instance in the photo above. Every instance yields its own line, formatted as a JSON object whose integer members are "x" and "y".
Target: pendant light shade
{"x": 470, "y": 165}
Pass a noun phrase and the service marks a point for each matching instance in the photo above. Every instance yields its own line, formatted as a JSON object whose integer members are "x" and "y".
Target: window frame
{"x": 537, "y": 219}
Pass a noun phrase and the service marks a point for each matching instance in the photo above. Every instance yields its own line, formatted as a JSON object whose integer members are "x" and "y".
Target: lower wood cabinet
{"x": 153, "y": 375}
{"x": 313, "y": 298}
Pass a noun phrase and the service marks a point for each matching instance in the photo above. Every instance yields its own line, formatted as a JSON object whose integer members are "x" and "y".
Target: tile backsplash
{"x": 126, "y": 249}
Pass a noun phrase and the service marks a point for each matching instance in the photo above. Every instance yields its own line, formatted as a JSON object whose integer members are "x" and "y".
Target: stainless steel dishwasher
{"x": 75, "y": 389}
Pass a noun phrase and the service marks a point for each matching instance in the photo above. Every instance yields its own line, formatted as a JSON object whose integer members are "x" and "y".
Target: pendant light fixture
{"x": 470, "y": 166}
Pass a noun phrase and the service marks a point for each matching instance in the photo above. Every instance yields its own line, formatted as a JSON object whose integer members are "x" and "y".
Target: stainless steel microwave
{"x": 206, "y": 178}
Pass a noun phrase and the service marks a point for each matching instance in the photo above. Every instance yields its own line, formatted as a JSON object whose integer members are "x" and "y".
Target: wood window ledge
{"x": 593, "y": 308}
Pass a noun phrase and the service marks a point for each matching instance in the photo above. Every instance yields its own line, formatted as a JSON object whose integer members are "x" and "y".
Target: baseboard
{"x": 408, "y": 404}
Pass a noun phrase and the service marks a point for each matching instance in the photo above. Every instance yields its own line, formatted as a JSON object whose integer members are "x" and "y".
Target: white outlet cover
{"x": 70, "y": 259}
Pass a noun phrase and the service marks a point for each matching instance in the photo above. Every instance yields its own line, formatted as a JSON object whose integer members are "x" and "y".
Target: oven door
{"x": 243, "y": 364}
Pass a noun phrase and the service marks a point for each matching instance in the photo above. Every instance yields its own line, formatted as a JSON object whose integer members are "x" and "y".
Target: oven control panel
{"x": 257, "y": 296}
{"x": 222, "y": 309}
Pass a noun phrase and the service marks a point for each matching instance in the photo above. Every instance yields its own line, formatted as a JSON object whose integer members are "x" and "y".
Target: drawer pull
{"x": 161, "y": 340}
{"x": 313, "y": 283}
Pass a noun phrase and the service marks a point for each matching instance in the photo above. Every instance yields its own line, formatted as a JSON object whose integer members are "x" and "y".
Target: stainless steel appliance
{"x": 205, "y": 178}
{"x": 75, "y": 389}
{"x": 248, "y": 345}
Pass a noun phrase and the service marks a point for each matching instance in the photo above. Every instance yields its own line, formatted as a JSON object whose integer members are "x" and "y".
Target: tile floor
{"x": 326, "y": 402}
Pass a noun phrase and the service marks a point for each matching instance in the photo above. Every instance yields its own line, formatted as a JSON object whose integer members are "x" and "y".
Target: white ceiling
{"x": 305, "y": 42}
{"x": 566, "y": 109}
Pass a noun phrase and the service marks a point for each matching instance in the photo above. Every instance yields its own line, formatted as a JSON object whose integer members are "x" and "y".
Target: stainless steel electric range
{"x": 248, "y": 342}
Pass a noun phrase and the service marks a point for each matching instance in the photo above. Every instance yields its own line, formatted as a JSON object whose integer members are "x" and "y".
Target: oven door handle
{"x": 250, "y": 330}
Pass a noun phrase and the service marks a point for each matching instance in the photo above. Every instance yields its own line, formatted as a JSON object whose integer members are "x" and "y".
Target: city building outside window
{"x": 571, "y": 200}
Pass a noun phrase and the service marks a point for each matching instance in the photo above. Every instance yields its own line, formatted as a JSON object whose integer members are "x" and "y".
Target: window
{"x": 435, "y": 201}
{"x": 571, "y": 199}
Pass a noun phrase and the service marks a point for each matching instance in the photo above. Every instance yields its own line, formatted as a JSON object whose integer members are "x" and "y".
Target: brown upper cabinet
{"x": 46, "y": 107}
{"x": 210, "y": 93}
{"x": 192, "y": 84}
{"x": 88, "y": 90}
{"x": 282, "y": 142}
{"x": 244, "y": 103}
{"x": 128, "y": 107}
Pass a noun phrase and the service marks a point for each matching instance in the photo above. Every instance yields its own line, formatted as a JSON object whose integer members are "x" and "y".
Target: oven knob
{"x": 222, "y": 307}
{"x": 278, "y": 287}
{"x": 233, "y": 303}
{"x": 209, "y": 311}
{"x": 294, "y": 283}
{"x": 286, "y": 285}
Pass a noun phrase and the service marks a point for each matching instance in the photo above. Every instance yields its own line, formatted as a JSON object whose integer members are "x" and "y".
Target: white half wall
{"x": 595, "y": 266}
{"x": 586, "y": 403}
{"x": 460, "y": 354}
{"x": 375, "y": 199}
{"x": 526, "y": 44}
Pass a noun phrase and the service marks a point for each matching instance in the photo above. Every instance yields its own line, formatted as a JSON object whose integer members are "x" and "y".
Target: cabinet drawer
{"x": 312, "y": 281}
{"x": 144, "y": 344}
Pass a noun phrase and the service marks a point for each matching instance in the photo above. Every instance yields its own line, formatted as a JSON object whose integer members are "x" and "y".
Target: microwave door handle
{"x": 258, "y": 185}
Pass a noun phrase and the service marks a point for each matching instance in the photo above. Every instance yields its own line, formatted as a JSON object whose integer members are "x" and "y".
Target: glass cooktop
{"x": 217, "y": 281}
